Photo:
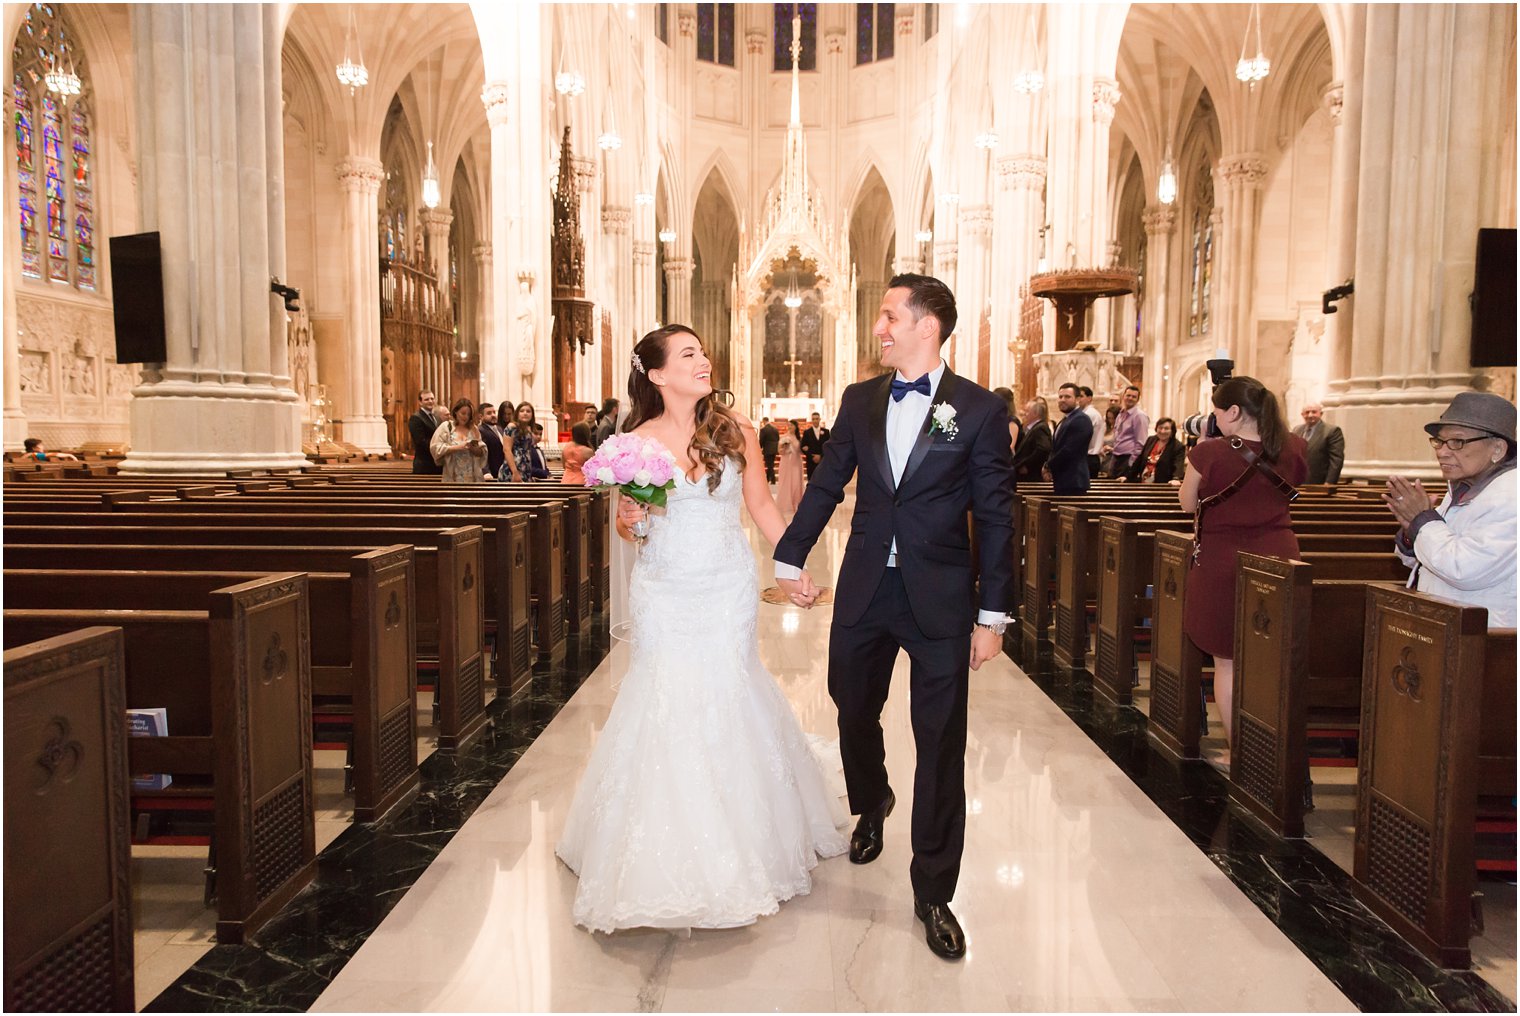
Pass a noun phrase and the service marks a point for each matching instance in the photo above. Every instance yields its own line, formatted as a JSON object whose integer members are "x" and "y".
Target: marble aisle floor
{"x": 1077, "y": 892}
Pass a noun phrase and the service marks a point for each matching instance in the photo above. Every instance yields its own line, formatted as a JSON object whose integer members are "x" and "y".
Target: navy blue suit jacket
{"x": 945, "y": 477}
{"x": 1068, "y": 454}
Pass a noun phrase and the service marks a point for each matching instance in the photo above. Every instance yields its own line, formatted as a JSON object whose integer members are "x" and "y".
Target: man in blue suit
{"x": 1067, "y": 466}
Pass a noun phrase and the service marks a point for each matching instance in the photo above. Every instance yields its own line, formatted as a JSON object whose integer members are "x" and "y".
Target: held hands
{"x": 800, "y": 591}
{"x": 985, "y": 645}
{"x": 1406, "y": 499}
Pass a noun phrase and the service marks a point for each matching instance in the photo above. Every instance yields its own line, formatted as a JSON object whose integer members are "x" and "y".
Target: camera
{"x": 1221, "y": 369}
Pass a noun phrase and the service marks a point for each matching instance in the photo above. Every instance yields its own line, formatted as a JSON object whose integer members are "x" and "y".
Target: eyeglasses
{"x": 1456, "y": 444}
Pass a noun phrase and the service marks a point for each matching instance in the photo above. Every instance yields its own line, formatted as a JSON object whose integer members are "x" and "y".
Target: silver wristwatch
{"x": 997, "y": 628}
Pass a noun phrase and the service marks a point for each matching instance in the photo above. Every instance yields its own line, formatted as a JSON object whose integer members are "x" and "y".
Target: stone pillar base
{"x": 369, "y": 433}
{"x": 1385, "y": 429}
{"x": 15, "y": 430}
{"x": 193, "y": 428}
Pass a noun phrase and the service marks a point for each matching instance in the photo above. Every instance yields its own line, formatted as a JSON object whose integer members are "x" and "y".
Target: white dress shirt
{"x": 1095, "y": 446}
{"x": 905, "y": 421}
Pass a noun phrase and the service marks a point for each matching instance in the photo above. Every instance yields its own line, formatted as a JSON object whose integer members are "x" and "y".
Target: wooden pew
{"x": 1284, "y": 673}
{"x": 1438, "y": 743}
{"x": 449, "y": 563}
{"x": 236, "y": 681}
{"x": 1126, "y": 564}
{"x": 363, "y": 646}
{"x": 68, "y": 898}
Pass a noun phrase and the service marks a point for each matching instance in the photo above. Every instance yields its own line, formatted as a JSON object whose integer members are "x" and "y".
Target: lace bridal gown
{"x": 703, "y": 805}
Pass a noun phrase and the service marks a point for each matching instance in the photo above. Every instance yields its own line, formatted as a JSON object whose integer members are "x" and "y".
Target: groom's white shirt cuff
{"x": 787, "y": 571}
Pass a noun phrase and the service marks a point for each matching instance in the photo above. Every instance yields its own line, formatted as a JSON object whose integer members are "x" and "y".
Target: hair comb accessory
{"x": 638, "y": 364}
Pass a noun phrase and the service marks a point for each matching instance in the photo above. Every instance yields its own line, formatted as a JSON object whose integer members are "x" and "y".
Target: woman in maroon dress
{"x": 1254, "y": 518}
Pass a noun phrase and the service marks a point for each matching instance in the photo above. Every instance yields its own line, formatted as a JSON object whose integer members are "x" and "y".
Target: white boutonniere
{"x": 944, "y": 421}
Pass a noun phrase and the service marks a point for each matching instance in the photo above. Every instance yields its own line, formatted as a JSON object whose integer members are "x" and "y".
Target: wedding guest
{"x": 1160, "y": 459}
{"x": 770, "y": 445}
{"x": 421, "y": 426}
{"x": 457, "y": 446}
{"x": 36, "y": 452}
{"x": 1034, "y": 448}
{"x": 1129, "y": 431}
{"x": 1069, "y": 466}
{"x": 1462, "y": 546}
{"x": 576, "y": 453}
{"x": 1015, "y": 426}
{"x": 790, "y": 480}
{"x": 1327, "y": 445}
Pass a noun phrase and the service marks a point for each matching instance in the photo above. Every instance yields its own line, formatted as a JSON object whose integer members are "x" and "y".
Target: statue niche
{"x": 574, "y": 315}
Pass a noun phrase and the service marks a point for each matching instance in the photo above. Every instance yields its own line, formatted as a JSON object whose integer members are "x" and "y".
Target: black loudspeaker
{"x": 137, "y": 292}
{"x": 1493, "y": 300}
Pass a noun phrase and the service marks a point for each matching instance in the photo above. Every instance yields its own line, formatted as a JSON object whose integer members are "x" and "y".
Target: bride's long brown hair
{"x": 718, "y": 435}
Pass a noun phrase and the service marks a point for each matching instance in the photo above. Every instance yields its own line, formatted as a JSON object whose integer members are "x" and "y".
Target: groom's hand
{"x": 985, "y": 645}
{"x": 800, "y": 591}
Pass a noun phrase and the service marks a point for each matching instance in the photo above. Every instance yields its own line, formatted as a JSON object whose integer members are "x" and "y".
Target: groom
{"x": 929, "y": 446}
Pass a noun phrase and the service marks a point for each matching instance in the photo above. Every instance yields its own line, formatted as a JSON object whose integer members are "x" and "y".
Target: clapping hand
{"x": 1407, "y": 499}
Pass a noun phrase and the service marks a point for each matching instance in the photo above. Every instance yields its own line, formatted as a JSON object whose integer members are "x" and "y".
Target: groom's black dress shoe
{"x": 941, "y": 929}
{"x": 865, "y": 844}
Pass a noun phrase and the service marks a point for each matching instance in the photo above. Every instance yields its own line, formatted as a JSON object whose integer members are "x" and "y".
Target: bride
{"x": 702, "y": 805}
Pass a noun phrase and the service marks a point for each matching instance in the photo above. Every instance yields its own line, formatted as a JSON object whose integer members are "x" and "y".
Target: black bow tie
{"x": 901, "y": 387}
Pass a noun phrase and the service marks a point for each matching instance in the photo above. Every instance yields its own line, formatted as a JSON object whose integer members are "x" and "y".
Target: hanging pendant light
{"x": 431, "y": 193}
{"x": 1028, "y": 82}
{"x": 793, "y": 298}
{"x": 1253, "y": 69}
{"x": 1166, "y": 187}
{"x": 65, "y": 83}
{"x": 354, "y": 75}
{"x": 986, "y": 140}
{"x": 667, "y": 235}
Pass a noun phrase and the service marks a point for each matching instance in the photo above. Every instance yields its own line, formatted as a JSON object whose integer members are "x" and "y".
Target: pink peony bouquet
{"x": 642, "y": 469}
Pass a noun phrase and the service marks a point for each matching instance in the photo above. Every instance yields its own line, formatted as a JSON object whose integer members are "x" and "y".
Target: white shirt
{"x": 1095, "y": 446}
{"x": 905, "y": 421}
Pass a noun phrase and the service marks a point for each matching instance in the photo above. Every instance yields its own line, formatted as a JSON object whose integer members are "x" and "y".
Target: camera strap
{"x": 1254, "y": 464}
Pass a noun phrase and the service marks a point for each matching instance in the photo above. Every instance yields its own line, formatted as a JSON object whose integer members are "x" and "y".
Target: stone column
{"x": 436, "y": 221}
{"x": 204, "y": 186}
{"x": 1243, "y": 177}
{"x": 485, "y": 310}
{"x": 617, "y": 228}
{"x": 10, "y": 264}
{"x": 363, "y": 423}
{"x": 678, "y": 281}
{"x": 1430, "y": 144}
{"x": 497, "y": 369}
{"x": 971, "y": 279}
{"x": 1015, "y": 229}
{"x": 643, "y": 302}
{"x": 274, "y": 160}
{"x": 1160, "y": 223}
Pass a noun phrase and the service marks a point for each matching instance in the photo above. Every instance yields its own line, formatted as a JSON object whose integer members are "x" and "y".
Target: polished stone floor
{"x": 1096, "y": 877}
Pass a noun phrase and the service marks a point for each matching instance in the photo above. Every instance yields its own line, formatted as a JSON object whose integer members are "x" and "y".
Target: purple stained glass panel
{"x": 707, "y": 30}
{"x": 865, "y": 33}
{"x": 885, "y": 16}
{"x": 726, "y": 34}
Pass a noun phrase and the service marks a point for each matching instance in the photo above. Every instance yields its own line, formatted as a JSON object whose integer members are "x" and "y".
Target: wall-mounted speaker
{"x": 1493, "y": 300}
{"x": 137, "y": 293}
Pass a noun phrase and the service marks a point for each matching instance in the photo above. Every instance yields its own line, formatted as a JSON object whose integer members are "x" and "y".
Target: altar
{"x": 794, "y": 408}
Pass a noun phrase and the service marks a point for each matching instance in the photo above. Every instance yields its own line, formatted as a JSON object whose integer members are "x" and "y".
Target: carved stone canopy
{"x": 794, "y": 268}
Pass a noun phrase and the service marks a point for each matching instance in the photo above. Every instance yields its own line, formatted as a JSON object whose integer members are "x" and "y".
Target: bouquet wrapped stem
{"x": 642, "y": 469}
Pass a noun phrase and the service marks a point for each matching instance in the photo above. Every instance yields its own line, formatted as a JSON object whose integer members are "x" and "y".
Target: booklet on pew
{"x": 149, "y": 723}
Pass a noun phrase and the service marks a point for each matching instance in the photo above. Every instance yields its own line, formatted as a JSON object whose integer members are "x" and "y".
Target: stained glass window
{"x": 1202, "y": 254}
{"x": 873, "y": 32}
{"x": 931, "y": 20}
{"x": 31, "y": 259}
{"x": 807, "y": 60}
{"x": 715, "y": 33}
{"x": 61, "y": 218}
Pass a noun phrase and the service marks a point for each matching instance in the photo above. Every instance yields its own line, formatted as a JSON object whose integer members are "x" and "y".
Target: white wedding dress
{"x": 703, "y": 805}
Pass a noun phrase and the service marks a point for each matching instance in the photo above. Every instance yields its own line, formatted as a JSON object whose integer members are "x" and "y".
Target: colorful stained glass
{"x": 865, "y": 33}
{"x": 886, "y": 15}
{"x": 66, "y": 200}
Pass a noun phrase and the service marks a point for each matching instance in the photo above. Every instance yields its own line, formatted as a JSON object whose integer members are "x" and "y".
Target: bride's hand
{"x": 631, "y": 511}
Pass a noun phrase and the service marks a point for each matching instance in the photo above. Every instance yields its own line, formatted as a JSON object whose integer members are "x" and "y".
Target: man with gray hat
{"x": 1462, "y": 546}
